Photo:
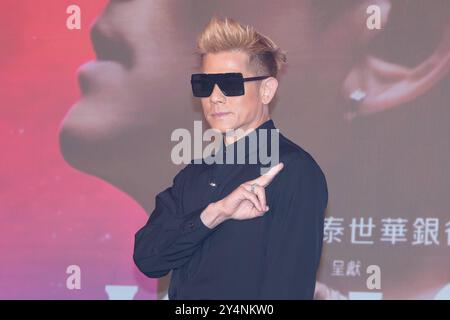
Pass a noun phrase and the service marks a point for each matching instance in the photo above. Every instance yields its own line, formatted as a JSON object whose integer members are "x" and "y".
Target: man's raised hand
{"x": 249, "y": 199}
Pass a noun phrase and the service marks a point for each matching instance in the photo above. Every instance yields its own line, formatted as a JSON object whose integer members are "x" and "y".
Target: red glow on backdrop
{"x": 52, "y": 215}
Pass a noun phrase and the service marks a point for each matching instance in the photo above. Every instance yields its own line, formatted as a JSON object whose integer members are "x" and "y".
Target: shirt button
{"x": 213, "y": 184}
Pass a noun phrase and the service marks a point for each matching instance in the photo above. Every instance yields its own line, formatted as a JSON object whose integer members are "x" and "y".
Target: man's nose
{"x": 108, "y": 43}
{"x": 217, "y": 95}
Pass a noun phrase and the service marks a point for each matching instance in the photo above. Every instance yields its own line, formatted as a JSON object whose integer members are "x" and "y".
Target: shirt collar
{"x": 250, "y": 148}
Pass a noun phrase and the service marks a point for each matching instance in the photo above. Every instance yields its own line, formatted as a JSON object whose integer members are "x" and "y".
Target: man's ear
{"x": 268, "y": 89}
{"x": 375, "y": 84}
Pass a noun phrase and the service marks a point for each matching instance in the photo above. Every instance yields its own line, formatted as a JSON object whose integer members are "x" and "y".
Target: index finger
{"x": 267, "y": 177}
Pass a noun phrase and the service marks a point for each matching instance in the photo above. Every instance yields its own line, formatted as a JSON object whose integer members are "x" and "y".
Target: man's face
{"x": 239, "y": 112}
{"x": 137, "y": 90}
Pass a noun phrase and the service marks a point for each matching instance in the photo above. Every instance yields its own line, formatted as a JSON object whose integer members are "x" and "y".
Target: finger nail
{"x": 267, "y": 208}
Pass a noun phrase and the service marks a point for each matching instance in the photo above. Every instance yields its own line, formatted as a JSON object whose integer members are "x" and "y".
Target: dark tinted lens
{"x": 201, "y": 85}
{"x": 232, "y": 84}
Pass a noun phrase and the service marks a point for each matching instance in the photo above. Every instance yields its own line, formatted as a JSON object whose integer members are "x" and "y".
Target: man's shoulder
{"x": 292, "y": 155}
{"x": 300, "y": 165}
{"x": 191, "y": 169}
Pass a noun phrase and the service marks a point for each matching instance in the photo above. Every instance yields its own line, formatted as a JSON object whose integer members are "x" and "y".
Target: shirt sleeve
{"x": 295, "y": 234}
{"x": 170, "y": 237}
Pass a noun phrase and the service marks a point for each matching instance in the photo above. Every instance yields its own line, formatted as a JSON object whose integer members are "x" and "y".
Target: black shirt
{"x": 274, "y": 256}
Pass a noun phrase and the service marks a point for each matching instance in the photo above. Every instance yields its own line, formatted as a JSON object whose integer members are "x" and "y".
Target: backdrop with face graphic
{"x": 85, "y": 150}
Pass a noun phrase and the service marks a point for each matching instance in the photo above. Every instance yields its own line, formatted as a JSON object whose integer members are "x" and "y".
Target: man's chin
{"x": 222, "y": 127}
{"x": 85, "y": 122}
{"x": 88, "y": 136}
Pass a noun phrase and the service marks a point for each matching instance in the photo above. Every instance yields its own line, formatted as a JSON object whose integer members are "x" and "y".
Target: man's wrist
{"x": 213, "y": 215}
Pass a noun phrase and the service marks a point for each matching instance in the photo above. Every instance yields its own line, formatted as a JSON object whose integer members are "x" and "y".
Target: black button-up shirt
{"x": 274, "y": 256}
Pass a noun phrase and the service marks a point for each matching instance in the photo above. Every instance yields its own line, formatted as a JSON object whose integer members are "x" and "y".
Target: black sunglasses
{"x": 231, "y": 84}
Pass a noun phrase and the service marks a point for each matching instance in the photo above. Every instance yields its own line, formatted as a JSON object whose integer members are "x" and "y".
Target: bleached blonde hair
{"x": 219, "y": 35}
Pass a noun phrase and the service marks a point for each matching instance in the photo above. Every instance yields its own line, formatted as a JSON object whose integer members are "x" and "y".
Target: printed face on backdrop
{"x": 138, "y": 90}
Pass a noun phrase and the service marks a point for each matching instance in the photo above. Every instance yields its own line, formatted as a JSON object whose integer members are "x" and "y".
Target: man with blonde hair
{"x": 224, "y": 229}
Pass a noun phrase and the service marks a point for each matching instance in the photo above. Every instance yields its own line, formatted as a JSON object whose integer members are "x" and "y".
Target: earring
{"x": 355, "y": 98}
{"x": 358, "y": 95}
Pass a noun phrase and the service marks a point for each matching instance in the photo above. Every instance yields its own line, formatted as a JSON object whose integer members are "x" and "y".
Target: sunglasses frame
{"x": 219, "y": 78}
